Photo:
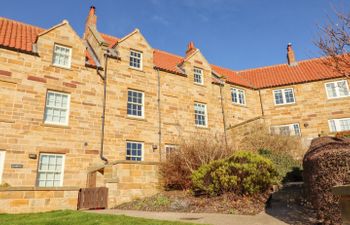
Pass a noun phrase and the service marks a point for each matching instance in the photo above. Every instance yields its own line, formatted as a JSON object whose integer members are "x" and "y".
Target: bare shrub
{"x": 257, "y": 137}
{"x": 191, "y": 153}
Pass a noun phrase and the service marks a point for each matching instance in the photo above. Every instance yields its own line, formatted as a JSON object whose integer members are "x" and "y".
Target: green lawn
{"x": 68, "y": 217}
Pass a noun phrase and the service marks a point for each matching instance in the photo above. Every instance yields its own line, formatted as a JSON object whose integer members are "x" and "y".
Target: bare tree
{"x": 334, "y": 43}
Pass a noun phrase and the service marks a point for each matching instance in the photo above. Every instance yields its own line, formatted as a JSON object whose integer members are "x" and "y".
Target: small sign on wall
{"x": 16, "y": 166}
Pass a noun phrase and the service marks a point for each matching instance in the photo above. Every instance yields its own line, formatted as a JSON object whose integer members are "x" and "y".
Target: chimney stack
{"x": 91, "y": 19}
{"x": 291, "y": 55}
{"x": 190, "y": 48}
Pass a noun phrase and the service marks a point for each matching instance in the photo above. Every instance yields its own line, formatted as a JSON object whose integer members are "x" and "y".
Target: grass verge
{"x": 69, "y": 217}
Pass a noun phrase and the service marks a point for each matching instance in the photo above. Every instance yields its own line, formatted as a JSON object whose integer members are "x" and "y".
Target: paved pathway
{"x": 204, "y": 218}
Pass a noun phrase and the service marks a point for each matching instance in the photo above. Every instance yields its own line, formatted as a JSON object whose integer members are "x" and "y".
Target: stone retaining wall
{"x": 128, "y": 181}
{"x": 32, "y": 199}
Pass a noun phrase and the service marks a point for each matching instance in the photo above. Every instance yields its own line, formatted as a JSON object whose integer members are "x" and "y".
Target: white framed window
{"x": 62, "y": 56}
{"x": 337, "y": 89}
{"x": 50, "y": 170}
{"x": 336, "y": 125}
{"x": 135, "y": 59}
{"x": 135, "y": 106}
{"x": 169, "y": 149}
{"x": 286, "y": 130}
{"x": 284, "y": 96}
{"x": 198, "y": 76}
{"x": 200, "y": 114}
{"x": 57, "y": 108}
{"x": 238, "y": 96}
{"x": 2, "y": 163}
{"x": 134, "y": 151}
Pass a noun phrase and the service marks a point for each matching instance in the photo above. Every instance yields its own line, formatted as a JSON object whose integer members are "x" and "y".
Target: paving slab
{"x": 200, "y": 218}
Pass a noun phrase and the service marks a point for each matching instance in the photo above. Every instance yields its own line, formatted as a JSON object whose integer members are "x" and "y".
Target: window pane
{"x": 332, "y": 126}
{"x": 278, "y": 97}
{"x": 135, "y": 103}
{"x": 200, "y": 114}
{"x": 135, "y": 59}
{"x": 133, "y": 151}
{"x": 61, "y": 56}
{"x": 296, "y": 129}
{"x": 344, "y": 124}
{"x": 289, "y": 95}
{"x": 56, "y": 110}
{"x": 50, "y": 170}
{"x": 343, "y": 89}
{"x": 331, "y": 90}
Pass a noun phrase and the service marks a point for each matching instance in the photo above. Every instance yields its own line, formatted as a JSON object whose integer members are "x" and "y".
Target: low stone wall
{"x": 128, "y": 181}
{"x": 34, "y": 199}
{"x": 344, "y": 192}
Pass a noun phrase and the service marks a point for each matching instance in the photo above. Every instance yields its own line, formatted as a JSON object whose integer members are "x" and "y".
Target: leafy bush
{"x": 242, "y": 173}
{"x": 289, "y": 169}
{"x": 190, "y": 154}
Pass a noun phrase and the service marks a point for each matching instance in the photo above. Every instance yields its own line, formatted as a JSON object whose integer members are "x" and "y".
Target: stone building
{"x": 103, "y": 111}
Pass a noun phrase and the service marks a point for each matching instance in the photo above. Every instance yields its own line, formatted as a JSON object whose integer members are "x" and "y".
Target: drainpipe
{"x": 261, "y": 106}
{"x": 159, "y": 119}
{"x": 104, "y": 110}
{"x": 223, "y": 113}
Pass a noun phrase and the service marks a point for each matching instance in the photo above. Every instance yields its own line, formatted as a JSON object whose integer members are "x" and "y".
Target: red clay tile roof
{"x": 17, "y": 35}
{"x": 111, "y": 40}
{"x": 167, "y": 61}
{"x": 21, "y": 36}
{"x": 280, "y": 75}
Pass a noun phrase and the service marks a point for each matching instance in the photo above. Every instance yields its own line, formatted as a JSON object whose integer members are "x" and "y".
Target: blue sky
{"x": 237, "y": 34}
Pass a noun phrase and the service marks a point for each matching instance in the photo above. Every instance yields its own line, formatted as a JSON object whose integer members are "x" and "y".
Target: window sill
{"x": 239, "y": 105}
{"x": 284, "y": 105}
{"x": 136, "y": 69}
{"x": 136, "y": 118}
{"x": 56, "y": 126}
{"x": 62, "y": 67}
{"x": 202, "y": 127}
{"x": 338, "y": 98}
{"x": 198, "y": 84}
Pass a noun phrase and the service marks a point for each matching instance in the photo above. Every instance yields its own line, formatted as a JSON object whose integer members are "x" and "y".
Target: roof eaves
{"x": 170, "y": 71}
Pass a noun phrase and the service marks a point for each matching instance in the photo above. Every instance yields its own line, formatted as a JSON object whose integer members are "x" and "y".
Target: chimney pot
{"x": 291, "y": 55}
{"x": 190, "y": 48}
{"x": 90, "y": 20}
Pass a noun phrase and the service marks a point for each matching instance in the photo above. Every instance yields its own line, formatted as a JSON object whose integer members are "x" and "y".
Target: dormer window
{"x": 198, "y": 76}
{"x": 135, "y": 60}
{"x": 62, "y": 56}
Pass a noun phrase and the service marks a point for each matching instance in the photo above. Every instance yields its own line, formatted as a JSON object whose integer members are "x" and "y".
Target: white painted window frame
{"x": 336, "y": 124}
{"x": 62, "y": 169}
{"x": 69, "y": 57}
{"x": 283, "y": 90}
{"x": 142, "y": 106}
{"x": 141, "y": 59}
{"x": 2, "y": 163}
{"x": 68, "y": 109}
{"x": 205, "y": 114}
{"x": 337, "y": 89}
{"x": 237, "y": 90}
{"x": 290, "y": 127}
{"x": 142, "y": 150}
{"x": 195, "y": 72}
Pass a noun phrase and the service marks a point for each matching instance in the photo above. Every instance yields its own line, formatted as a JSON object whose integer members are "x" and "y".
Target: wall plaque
{"x": 16, "y": 166}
